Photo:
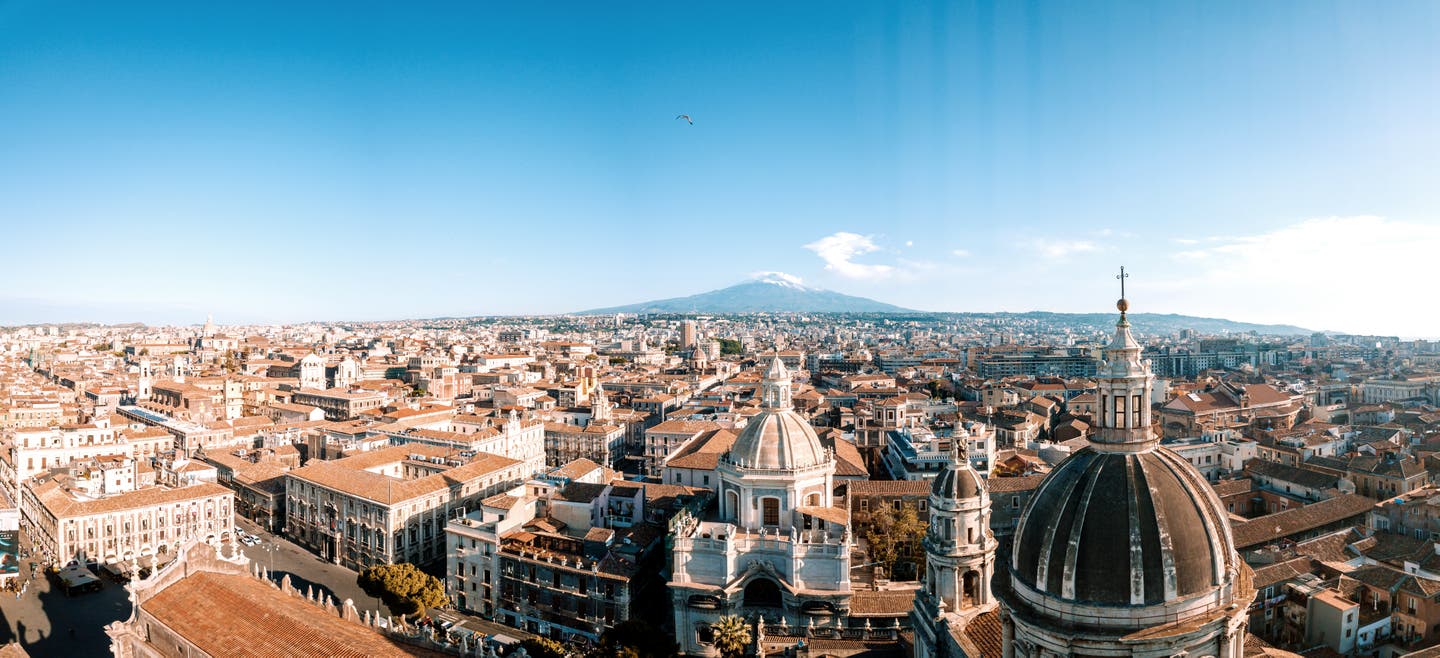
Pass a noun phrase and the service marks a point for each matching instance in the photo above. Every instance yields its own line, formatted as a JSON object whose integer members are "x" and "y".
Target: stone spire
{"x": 599, "y": 406}
{"x": 1124, "y": 382}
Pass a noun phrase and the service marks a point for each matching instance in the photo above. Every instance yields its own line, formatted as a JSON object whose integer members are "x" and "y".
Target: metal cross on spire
{"x": 1123, "y": 304}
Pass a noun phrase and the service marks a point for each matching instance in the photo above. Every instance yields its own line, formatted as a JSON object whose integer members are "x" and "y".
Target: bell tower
{"x": 147, "y": 379}
{"x": 1124, "y": 382}
{"x": 959, "y": 554}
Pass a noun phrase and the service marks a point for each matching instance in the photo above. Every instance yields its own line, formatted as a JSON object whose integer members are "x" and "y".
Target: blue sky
{"x": 1268, "y": 161}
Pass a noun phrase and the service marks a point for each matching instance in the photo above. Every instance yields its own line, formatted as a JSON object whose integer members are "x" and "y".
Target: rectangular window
{"x": 1119, "y": 418}
{"x": 771, "y": 511}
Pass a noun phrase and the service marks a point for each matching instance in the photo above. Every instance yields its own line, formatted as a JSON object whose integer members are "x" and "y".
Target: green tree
{"x": 728, "y": 346}
{"x": 889, "y": 534}
{"x": 404, "y": 588}
{"x": 731, "y": 636}
{"x": 636, "y": 638}
{"x": 543, "y": 647}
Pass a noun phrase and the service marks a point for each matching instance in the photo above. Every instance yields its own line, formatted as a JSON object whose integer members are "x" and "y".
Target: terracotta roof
{"x": 349, "y": 476}
{"x": 236, "y": 615}
{"x": 1301, "y": 476}
{"x": 848, "y": 461}
{"x": 1328, "y": 547}
{"x": 1280, "y": 572}
{"x": 882, "y": 603}
{"x": 703, "y": 452}
{"x": 888, "y": 487}
{"x": 1281, "y": 524}
{"x": 1225, "y": 488}
{"x": 984, "y": 632}
{"x": 684, "y": 427}
{"x": 575, "y": 469}
{"x": 1223, "y": 397}
{"x": 60, "y": 503}
{"x": 1013, "y": 484}
{"x": 582, "y": 492}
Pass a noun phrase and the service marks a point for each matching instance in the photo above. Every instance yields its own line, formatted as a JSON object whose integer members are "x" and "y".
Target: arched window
{"x": 732, "y": 506}
{"x": 813, "y": 500}
{"x": 970, "y": 588}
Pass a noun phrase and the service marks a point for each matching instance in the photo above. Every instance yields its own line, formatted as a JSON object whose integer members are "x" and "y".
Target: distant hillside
{"x": 774, "y": 293}
{"x": 1162, "y": 323}
{"x": 1145, "y": 323}
{"x": 781, "y": 293}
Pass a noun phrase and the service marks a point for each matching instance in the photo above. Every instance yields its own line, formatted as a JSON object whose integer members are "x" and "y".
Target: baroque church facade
{"x": 776, "y": 550}
{"x": 1123, "y": 550}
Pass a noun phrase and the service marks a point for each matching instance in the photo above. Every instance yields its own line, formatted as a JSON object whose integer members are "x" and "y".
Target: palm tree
{"x": 731, "y": 636}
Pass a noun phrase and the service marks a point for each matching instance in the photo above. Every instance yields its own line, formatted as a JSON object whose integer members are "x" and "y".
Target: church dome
{"x": 959, "y": 480}
{"x": 1125, "y": 534}
{"x": 777, "y": 439}
{"x": 1124, "y": 528}
{"x": 956, "y": 483}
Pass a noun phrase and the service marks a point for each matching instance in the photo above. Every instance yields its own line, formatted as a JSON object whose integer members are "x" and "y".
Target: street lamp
{"x": 271, "y": 548}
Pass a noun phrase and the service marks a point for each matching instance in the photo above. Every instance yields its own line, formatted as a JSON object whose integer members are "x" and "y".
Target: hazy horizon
{"x": 274, "y": 162}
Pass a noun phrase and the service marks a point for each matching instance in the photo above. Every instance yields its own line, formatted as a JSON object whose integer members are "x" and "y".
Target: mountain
{"x": 777, "y": 292}
{"x": 771, "y": 292}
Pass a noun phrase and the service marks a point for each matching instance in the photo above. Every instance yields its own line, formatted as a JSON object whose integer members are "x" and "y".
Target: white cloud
{"x": 839, "y": 251}
{"x": 1361, "y": 274}
{"x": 909, "y": 243}
{"x": 1061, "y": 248}
{"x": 959, "y": 253}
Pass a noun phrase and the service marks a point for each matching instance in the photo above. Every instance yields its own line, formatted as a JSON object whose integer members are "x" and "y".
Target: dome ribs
{"x": 1137, "y": 550}
{"x": 1042, "y": 565}
{"x": 1077, "y": 529}
{"x": 1160, "y": 556}
{"x": 1206, "y": 505}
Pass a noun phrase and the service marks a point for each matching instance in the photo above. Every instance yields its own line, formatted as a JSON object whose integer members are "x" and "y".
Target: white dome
{"x": 778, "y": 439}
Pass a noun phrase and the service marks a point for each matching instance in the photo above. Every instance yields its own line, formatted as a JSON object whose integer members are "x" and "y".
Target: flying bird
{"x": 687, "y": 119}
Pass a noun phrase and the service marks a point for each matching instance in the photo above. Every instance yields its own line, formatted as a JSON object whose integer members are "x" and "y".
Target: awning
{"x": 77, "y": 576}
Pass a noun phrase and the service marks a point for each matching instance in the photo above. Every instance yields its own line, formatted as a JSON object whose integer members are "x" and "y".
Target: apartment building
{"x": 390, "y": 505}
{"x": 106, "y": 509}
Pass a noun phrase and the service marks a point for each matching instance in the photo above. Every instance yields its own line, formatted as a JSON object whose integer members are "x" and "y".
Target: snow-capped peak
{"x": 780, "y": 279}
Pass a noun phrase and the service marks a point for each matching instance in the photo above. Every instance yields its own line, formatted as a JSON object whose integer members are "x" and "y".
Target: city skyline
{"x": 1260, "y": 163}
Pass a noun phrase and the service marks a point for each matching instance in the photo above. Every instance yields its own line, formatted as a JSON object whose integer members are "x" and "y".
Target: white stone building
{"x": 777, "y": 548}
{"x": 959, "y": 563}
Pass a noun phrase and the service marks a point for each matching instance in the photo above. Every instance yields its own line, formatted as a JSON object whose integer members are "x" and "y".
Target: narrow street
{"x": 283, "y": 557}
{"x": 306, "y": 570}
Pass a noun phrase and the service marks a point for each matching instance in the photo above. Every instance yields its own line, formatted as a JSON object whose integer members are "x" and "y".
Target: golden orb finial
{"x": 1122, "y": 303}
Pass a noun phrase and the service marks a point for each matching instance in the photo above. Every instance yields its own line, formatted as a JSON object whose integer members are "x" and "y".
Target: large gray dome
{"x": 777, "y": 439}
{"x": 1155, "y": 532}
